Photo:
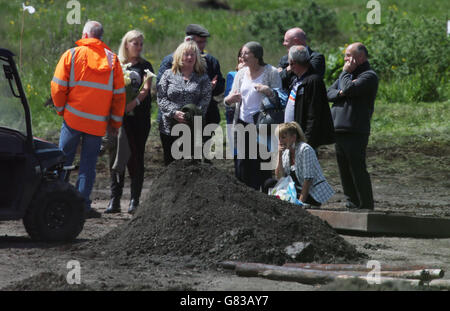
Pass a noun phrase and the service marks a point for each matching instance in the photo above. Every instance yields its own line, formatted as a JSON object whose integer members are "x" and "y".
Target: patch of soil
{"x": 214, "y": 5}
{"x": 46, "y": 281}
{"x": 362, "y": 285}
{"x": 197, "y": 210}
{"x": 376, "y": 246}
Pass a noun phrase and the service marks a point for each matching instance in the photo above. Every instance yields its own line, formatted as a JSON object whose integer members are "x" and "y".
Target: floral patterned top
{"x": 174, "y": 92}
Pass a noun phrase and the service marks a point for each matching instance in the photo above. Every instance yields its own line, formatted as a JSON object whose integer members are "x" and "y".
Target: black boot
{"x": 113, "y": 206}
{"x": 134, "y": 204}
{"x": 136, "y": 189}
{"x": 117, "y": 182}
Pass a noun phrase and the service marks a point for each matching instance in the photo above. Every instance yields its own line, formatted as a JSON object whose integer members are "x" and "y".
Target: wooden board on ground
{"x": 372, "y": 222}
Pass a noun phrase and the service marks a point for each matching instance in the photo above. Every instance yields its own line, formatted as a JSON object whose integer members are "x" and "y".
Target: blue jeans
{"x": 90, "y": 148}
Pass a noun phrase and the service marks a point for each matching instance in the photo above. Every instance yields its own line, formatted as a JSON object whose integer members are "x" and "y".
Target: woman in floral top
{"x": 185, "y": 83}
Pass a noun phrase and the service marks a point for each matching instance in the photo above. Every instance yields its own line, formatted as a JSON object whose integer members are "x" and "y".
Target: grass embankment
{"x": 47, "y": 35}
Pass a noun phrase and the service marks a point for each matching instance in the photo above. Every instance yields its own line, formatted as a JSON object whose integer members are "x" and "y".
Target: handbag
{"x": 272, "y": 110}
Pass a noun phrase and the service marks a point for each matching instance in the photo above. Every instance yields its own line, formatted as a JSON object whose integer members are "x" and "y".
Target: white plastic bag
{"x": 285, "y": 190}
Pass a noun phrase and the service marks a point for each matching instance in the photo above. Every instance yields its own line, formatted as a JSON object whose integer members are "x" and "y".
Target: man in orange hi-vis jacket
{"x": 88, "y": 90}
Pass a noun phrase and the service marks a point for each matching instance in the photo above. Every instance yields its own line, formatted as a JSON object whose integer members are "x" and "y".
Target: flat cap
{"x": 197, "y": 30}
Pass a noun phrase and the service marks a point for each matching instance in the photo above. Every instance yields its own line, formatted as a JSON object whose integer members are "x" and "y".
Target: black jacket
{"x": 353, "y": 110}
{"x": 312, "y": 111}
{"x": 317, "y": 63}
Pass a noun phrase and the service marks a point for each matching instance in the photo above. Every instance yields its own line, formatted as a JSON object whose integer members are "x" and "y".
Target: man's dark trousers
{"x": 351, "y": 159}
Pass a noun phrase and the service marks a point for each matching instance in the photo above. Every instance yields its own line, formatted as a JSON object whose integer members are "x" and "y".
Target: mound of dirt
{"x": 46, "y": 281}
{"x": 197, "y": 210}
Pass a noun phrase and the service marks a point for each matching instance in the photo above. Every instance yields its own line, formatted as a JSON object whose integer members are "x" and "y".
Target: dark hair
{"x": 257, "y": 50}
{"x": 239, "y": 55}
{"x": 361, "y": 48}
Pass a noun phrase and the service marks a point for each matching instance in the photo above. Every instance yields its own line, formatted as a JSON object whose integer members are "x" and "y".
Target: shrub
{"x": 318, "y": 22}
{"x": 412, "y": 54}
{"x": 334, "y": 62}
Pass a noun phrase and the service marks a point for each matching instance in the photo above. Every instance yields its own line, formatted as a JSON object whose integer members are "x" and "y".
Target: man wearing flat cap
{"x": 196, "y": 30}
{"x": 200, "y": 35}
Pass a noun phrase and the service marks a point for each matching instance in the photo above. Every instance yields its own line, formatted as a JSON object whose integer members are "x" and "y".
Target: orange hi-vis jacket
{"x": 88, "y": 88}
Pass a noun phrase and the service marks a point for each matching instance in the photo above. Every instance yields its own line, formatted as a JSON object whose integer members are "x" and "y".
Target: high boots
{"x": 113, "y": 206}
{"x": 117, "y": 182}
{"x": 134, "y": 204}
{"x": 135, "y": 189}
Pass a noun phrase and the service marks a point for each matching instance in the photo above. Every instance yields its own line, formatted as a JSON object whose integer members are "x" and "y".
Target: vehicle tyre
{"x": 56, "y": 213}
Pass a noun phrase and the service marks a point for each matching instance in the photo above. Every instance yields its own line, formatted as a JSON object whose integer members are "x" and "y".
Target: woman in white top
{"x": 298, "y": 159}
{"x": 250, "y": 85}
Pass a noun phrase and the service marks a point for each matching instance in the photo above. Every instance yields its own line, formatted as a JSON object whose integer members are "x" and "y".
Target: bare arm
{"x": 279, "y": 170}
{"x": 141, "y": 96}
{"x": 234, "y": 96}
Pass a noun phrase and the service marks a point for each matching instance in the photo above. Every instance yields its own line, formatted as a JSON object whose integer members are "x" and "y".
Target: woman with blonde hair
{"x": 136, "y": 124}
{"x": 298, "y": 159}
{"x": 185, "y": 83}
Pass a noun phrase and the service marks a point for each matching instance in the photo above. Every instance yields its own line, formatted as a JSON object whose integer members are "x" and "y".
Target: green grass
{"x": 401, "y": 124}
{"x": 47, "y": 35}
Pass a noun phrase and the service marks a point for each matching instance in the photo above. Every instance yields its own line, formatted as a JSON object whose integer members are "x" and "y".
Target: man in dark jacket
{"x": 307, "y": 103}
{"x": 200, "y": 35}
{"x": 353, "y": 96}
{"x": 296, "y": 36}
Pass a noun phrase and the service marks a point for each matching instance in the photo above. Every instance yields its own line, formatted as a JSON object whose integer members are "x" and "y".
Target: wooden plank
{"x": 311, "y": 276}
{"x": 382, "y": 223}
{"x": 342, "y": 219}
{"x": 409, "y": 225}
{"x": 348, "y": 267}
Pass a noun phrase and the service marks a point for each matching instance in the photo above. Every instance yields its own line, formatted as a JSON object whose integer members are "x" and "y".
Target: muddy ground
{"x": 408, "y": 179}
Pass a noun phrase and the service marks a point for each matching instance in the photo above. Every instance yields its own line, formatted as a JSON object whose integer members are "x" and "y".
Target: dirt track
{"x": 399, "y": 185}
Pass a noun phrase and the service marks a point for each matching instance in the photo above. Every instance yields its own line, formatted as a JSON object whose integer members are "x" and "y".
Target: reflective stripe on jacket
{"x": 88, "y": 87}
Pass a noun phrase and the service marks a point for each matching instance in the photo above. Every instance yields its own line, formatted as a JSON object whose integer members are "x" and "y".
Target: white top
{"x": 270, "y": 77}
{"x": 251, "y": 98}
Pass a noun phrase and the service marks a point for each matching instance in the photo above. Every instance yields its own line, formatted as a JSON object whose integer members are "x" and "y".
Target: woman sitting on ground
{"x": 298, "y": 159}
